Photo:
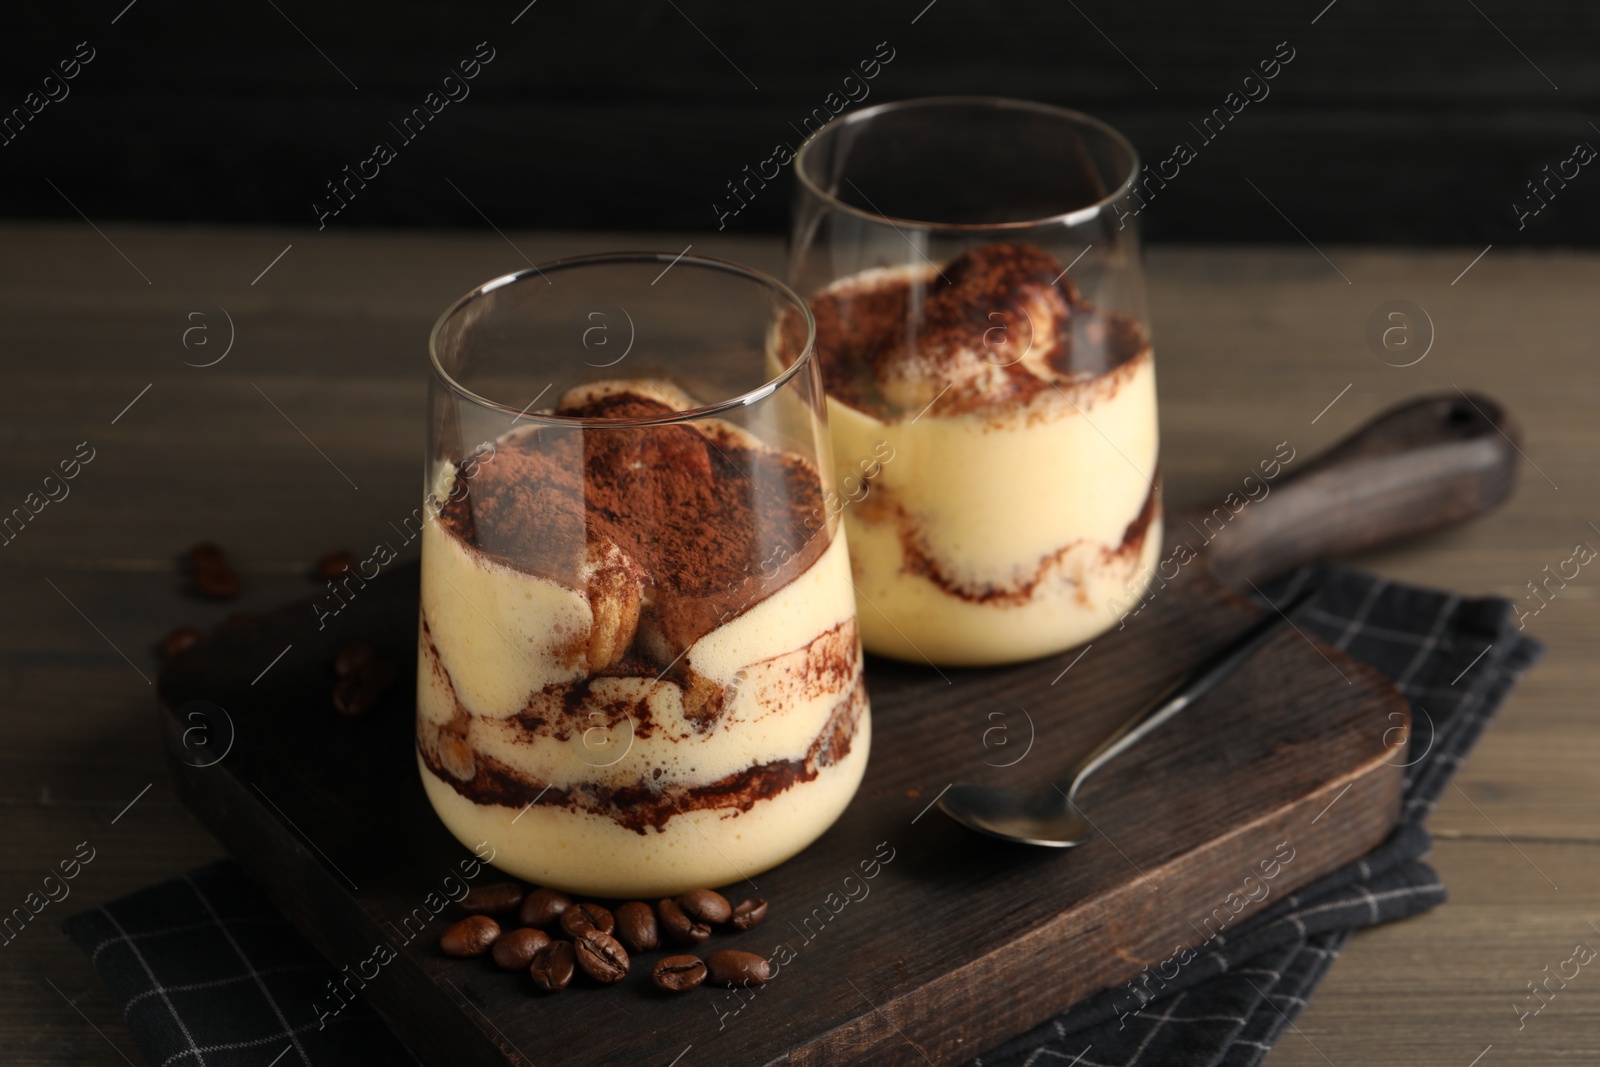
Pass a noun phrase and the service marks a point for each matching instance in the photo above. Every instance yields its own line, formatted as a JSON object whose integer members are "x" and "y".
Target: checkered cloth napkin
{"x": 1454, "y": 661}
{"x": 209, "y": 974}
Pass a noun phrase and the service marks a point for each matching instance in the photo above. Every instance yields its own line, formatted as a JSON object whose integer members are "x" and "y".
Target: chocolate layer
{"x": 646, "y": 803}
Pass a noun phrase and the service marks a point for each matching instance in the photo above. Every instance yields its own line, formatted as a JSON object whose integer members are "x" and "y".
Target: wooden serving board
{"x": 909, "y": 939}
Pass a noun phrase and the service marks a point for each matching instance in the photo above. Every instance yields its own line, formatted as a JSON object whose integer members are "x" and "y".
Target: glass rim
{"x": 1073, "y": 217}
{"x": 726, "y": 266}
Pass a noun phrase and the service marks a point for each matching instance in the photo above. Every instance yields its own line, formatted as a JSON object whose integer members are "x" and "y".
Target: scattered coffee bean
{"x": 679, "y": 926}
{"x": 352, "y": 658}
{"x": 749, "y": 913}
{"x": 729, "y": 966}
{"x": 496, "y": 899}
{"x": 582, "y": 918}
{"x": 471, "y": 936}
{"x": 359, "y": 691}
{"x": 636, "y": 927}
{"x": 601, "y": 956}
{"x": 676, "y": 974}
{"x": 332, "y": 565}
{"x": 707, "y": 905}
{"x": 542, "y": 908}
{"x": 515, "y": 949}
{"x": 210, "y": 575}
{"x": 207, "y": 554}
{"x": 552, "y": 966}
{"x": 357, "y": 695}
{"x": 218, "y": 582}
{"x": 179, "y": 640}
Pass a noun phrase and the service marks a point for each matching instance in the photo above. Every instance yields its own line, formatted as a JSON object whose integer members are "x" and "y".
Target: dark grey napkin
{"x": 208, "y": 973}
{"x": 1454, "y": 660}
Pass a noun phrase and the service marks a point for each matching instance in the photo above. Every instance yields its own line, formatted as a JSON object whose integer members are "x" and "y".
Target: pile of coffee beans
{"x": 555, "y": 938}
{"x": 363, "y": 679}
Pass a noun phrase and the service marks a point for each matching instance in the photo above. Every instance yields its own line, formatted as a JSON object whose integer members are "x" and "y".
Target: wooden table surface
{"x": 307, "y": 436}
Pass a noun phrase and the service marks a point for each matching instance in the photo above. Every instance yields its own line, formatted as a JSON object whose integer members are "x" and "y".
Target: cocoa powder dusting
{"x": 713, "y": 521}
{"x": 879, "y": 330}
{"x": 977, "y": 284}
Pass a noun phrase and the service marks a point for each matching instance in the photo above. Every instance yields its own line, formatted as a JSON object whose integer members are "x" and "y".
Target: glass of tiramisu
{"x": 972, "y": 266}
{"x": 639, "y": 669}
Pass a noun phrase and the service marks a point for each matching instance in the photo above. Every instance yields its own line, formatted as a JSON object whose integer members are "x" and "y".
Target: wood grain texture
{"x": 330, "y": 816}
{"x": 1253, "y": 343}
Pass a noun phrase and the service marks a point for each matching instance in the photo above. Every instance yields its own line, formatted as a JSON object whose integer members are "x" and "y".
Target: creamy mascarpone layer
{"x": 501, "y": 655}
{"x": 1001, "y": 535}
{"x": 767, "y": 658}
{"x": 579, "y": 852}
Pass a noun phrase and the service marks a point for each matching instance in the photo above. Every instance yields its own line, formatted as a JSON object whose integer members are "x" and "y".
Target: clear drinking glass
{"x": 639, "y": 670}
{"x": 973, "y": 268}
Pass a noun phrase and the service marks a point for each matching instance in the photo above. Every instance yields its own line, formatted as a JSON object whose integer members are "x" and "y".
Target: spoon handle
{"x": 1186, "y": 691}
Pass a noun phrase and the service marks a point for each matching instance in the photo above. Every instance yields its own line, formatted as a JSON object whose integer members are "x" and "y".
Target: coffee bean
{"x": 581, "y": 918}
{"x": 219, "y": 582}
{"x": 471, "y": 936}
{"x": 496, "y": 899}
{"x": 636, "y": 927}
{"x": 179, "y": 640}
{"x": 352, "y": 657}
{"x": 679, "y": 927}
{"x": 332, "y": 565}
{"x": 748, "y": 913}
{"x": 206, "y": 554}
{"x": 707, "y": 905}
{"x": 552, "y": 966}
{"x": 515, "y": 950}
{"x": 357, "y": 695}
{"x": 542, "y": 908}
{"x": 729, "y": 966}
{"x": 601, "y": 956}
{"x": 676, "y": 974}
{"x": 359, "y": 691}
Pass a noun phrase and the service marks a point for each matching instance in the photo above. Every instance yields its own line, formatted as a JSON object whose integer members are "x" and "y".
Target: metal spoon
{"x": 1052, "y": 818}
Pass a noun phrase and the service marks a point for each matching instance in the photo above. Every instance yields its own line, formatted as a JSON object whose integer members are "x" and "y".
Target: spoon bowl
{"x": 1050, "y": 818}
{"x": 1045, "y": 819}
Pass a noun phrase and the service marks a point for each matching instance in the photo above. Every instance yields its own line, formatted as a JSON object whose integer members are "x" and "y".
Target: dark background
{"x": 1396, "y": 122}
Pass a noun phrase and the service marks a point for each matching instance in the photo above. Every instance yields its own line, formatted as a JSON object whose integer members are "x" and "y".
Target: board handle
{"x": 1424, "y": 464}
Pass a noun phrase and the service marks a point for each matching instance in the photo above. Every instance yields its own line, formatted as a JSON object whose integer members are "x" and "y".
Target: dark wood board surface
{"x": 329, "y": 814}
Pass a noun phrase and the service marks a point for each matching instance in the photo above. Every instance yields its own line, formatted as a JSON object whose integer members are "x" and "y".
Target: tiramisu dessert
{"x": 639, "y": 665}
{"x": 1021, "y": 506}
